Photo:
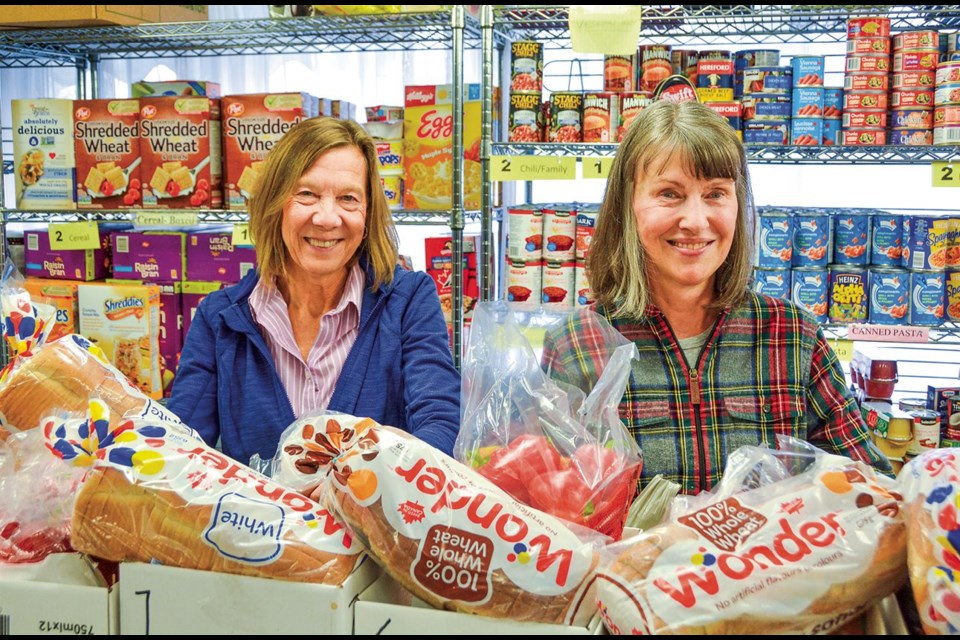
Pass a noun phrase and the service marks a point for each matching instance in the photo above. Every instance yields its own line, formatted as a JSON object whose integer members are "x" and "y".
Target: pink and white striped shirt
{"x": 309, "y": 384}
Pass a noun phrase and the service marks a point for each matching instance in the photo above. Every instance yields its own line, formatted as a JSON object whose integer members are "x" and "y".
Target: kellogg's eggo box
{"x": 107, "y": 149}
{"x": 252, "y": 124}
{"x": 181, "y": 155}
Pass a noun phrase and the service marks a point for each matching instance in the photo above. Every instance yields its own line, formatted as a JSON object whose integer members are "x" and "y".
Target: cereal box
{"x": 252, "y": 124}
{"x": 192, "y": 294}
{"x": 171, "y": 332}
{"x": 45, "y": 172}
{"x": 180, "y": 151}
{"x": 62, "y": 296}
{"x": 146, "y": 89}
{"x": 124, "y": 321}
{"x": 65, "y": 264}
{"x": 151, "y": 256}
{"x": 212, "y": 256}
{"x": 107, "y": 149}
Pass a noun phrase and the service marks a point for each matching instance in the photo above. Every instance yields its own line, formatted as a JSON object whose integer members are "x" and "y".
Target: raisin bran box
{"x": 41, "y": 261}
{"x": 151, "y": 256}
{"x": 212, "y": 256}
{"x": 252, "y": 124}
{"x": 62, "y": 296}
{"x": 171, "y": 332}
{"x": 107, "y": 150}
{"x": 180, "y": 147}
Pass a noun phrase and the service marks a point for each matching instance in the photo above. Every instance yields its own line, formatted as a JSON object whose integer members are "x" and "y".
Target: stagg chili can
{"x": 774, "y": 240}
{"x": 524, "y": 118}
{"x": 889, "y": 296}
{"x": 566, "y": 117}
{"x": 886, "y": 240}
{"x": 654, "y": 65}
{"x": 809, "y": 287}
{"x": 927, "y": 292}
{"x": 811, "y": 239}
{"x": 526, "y": 66}
{"x": 926, "y": 432}
{"x": 847, "y": 299}
{"x": 600, "y": 119}
{"x": 851, "y": 233}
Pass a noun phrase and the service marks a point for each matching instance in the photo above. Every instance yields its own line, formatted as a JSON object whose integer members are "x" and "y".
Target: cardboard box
{"x": 107, "y": 152}
{"x": 144, "y": 89}
{"x": 85, "y": 15}
{"x": 386, "y": 608}
{"x": 192, "y": 293}
{"x": 151, "y": 256}
{"x": 44, "y": 163}
{"x": 41, "y": 261}
{"x": 212, "y": 256}
{"x": 61, "y": 295}
{"x": 171, "y": 332}
{"x": 937, "y": 399}
{"x": 187, "y": 601}
{"x": 63, "y": 594}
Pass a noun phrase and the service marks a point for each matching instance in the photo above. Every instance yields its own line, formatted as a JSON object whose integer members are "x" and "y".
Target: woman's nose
{"x": 325, "y": 213}
{"x": 695, "y": 215}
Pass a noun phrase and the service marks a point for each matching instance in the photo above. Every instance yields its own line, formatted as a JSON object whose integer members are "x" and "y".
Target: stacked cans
{"x": 946, "y": 111}
{"x": 866, "y": 81}
{"x": 915, "y": 55}
{"x": 621, "y": 79}
{"x": 525, "y": 117}
{"x": 807, "y": 101}
{"x": 715, "y": 86}
{"x": 765, "y": 88}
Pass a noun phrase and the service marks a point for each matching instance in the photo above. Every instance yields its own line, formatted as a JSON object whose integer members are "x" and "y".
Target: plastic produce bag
{"x": 558, "y": 448}
{"x": 793, "y": 540}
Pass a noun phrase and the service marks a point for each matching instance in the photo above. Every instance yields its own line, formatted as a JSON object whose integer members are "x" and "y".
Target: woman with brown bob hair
{"x": 327, "y": 321}
{"x": 671, "y": 266}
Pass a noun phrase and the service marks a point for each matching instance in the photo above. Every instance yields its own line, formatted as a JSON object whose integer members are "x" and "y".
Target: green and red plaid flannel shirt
{"x": 766, "y": 370}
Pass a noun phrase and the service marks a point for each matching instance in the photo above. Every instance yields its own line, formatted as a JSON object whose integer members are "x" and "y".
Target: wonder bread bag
{"x": 157, "y": 493}
{"x": 931, "y": 493}
{"x": 790, "y": 541}
{"x": 447, "y": 534}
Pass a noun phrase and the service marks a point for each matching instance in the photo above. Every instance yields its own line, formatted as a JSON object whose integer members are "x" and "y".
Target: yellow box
{"x": 86, "y": 15}
{"x": 62, "y": 296}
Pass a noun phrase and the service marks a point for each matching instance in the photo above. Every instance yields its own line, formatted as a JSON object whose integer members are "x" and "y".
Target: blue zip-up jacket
{"x": 399, "y": 371}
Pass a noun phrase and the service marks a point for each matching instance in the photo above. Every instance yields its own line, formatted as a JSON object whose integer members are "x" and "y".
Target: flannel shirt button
{"x": 766, "y": 408}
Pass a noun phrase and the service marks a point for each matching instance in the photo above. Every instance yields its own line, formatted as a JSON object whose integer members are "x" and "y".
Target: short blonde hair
{"x": 290, "y": 158}
{"x": 709, "y": 148}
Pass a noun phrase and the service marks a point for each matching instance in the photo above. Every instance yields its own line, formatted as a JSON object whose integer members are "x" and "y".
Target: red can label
{"x": 655, "y": 65}
{"x": 915, "y": 60}
{"x": 946, "y": 116}
{"x": 619, "y": 72}
{"x": 925, "y": 39}
{"x": 864, "y": 118}
{"x": 859, "y": 46}
{"x": 868, "y": 27}
{"x": 867, "y": 63}
{"x": 864, "y": 100}
{"x": 599, "y": 117}
{"x": 913, "y": 80}
{"x": 631, "y": 104}
{"x": 863, "y": 137}
{"x": 906, "y": 98}
{"x": 866, "y": 81}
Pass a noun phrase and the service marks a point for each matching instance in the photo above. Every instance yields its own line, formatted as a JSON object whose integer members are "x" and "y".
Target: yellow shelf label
{"x": 843, "y": 349}
{"x": 165, "y": 219}
{"x": 505, "y": 168}
{"x": 596, "y": 167}
{"x": 241, "y": 235}
{"x": 946, "y": 174}
{"x": 74, "y": 235}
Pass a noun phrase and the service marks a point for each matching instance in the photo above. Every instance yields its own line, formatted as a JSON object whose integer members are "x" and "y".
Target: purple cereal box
{"x": 65, "y": 264}
{"x": 171, "y": 332}
{"x": 151, "y": 256}
{"x": 192, "y": 294}
{"x": 213, "y": 257}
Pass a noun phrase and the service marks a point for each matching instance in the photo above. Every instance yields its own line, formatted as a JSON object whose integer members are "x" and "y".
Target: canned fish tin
{"x": 866, "y": 82}
{"x": 767, "y": 79}
{"x": 950, "y": 41}
{"x": 654, "y": 65}
{"x": 807, "y": 102}
{"x": 948, "y": 72}
{"x": 831, "y": 131}
{"x": 559, "y": 234}
{"x": 766, "y": 132}
{"x": 524, "y": 283}
{"x": 619, "y": 72}
{"x": 911, "y": 99}
{"x": 923, "y": 39}
{"x": 847, "y": 299}
{"x": 912, "y": 404}
{"x": 850, "y": 238}
{"x": 524, "y": 118}
{"x": 915, "y": 61}
{"x": 765, "y": 106}
{"x": 926, "y": 298}
{"x": 584, "y": 292}
{"x": 868, "y": 27}
{"x": 559, "y": 282}
{"x": 911, "y": 137}
{"x": 946, "y": 116}
{"x": 913, "y": 80}
{"x": 631, "y": 104}
{"x": 832, "y": 102}
{"x": 952, "y": 295}
{"x": 774, "y": 240}
{"x": 526, "y": 66}
{"x": 864, "y": 118}
{"x": 806, "y": 131}
{"x": 566, "y": 117}
{"x": 807, "y": 71}
{"x": 886, "y": 240}
{"x": 525, "y": 233}
{"x": 926, "y": 432}
{"x": 809, "y": 291}
{"x": 946, "y": 135}
{"x": 756, "y": 58}
{"x": 889, "y": 296}
{"x": 863, "y": 137}
{"x": 859, "y": 46}
{"x": 867, "y": 64}
{"x": 811, "y": 238}
{"x": 772, "y": 282}
{"x": 600, "y": 120}
{"x": 928, "y": 243}
{"x": 864, "y": 100}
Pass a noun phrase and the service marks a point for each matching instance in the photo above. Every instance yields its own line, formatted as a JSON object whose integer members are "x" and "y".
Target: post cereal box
{"x": 180, "y": 150}
{"x": 252, "y": 124}
{"x": 44, "y": 168}
{"x": 124, "y": 321}
{"x": 212, "y": 256}
{"x": 151, "y": 256}
{"x": 171, "y": 332}
{"x": 107, "y": 148}
{"x": 428, "y": 146}
{"x": 62, "y": 296}
{"x": 42, "y": 261}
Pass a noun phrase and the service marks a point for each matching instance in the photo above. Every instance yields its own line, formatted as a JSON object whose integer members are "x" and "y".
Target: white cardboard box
{"x": 63, "y": 594}
{"x": 386, "y": 608}
{"x": 168, "y": 600}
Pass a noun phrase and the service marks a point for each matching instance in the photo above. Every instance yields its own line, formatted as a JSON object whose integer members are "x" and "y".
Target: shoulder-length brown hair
{"x": 289, "y": 159}
{"x": 710, "y": 148}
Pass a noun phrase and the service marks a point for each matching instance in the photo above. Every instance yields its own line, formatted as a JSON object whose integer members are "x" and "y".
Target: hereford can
{"x": 851, "y": 233}
{"x": 926, "y": 432}
{"x": 847, "y": 299}
{"x": 600, "y": 119}
{"x": 772, "y": 282}
{"x": 889, "y": 296}
{"x": 811, "y": 239}
{"x": 867, "y": 64}
{"x": 864, "y": 100}
{"x": 922, "y": 39}
{"x": 619, "y": 72}
{"x": 859, "y": 46}
{"x": 525, "y": 233}
{"x": 863, "y": 137}
{"x": 809, "y": 291}
{"x": 886, "y": 240}
{"x": 915, "y": 61}
{"x": 911, "y": 99}
{"x": 774, "y": 240}
{"x": 566, "y": 117}
{"x": 559, "y": 281}
{"x": 559, "y": 233}
{"x": 927, "y": 289}
{"x": 654, "y": 65}
{"x": 526, "y": 66}
{"x": 715, "y": 80}
{"x": 913, "y": 80}
{"x": 631, "y": 104}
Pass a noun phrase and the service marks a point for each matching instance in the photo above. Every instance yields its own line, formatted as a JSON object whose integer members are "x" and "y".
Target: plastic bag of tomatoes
{"x": 557, "y": 447}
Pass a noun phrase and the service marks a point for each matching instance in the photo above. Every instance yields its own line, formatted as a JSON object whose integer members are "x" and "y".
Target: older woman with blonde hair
{"x": 670, "y": 265}
{"x": 327, "y": 321}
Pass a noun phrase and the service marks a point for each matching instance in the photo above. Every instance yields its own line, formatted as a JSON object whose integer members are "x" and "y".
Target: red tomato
{"x": 513, "y": 468}
{"x": 596, "y": 463}
{"x": 562, "y": 494}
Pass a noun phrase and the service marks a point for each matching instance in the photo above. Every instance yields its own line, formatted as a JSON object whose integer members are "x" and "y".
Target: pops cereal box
{"x": 107, "y": 149}
{"x": 252, "y": 124}
{"x": 180, "y": 148}
{"x": 212, "y": 256}
{"x": 62, "y": 296}
{"x": 151, "y": 256}
{"x": 43, "y": 156}
{"x": 124, "y": 321}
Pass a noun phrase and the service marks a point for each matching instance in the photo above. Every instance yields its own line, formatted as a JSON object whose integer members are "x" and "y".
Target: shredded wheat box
{"x": 252, "y": 124}
{"x": 43, "y": 153}
{"x": 152, "y": 256}
{"x": 213, "y": 256}
{"x": 62, "y": 296}
{"x": 180, "y": 148}
{"x": 124, "y": 321}
{"x": 41, "y": 261}
{"x": 107, "y": 150}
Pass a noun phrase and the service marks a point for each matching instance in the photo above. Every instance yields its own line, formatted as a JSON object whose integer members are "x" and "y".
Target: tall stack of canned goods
{"x": 915, "y": 56}
{"x": 715, "y": 80}
{"x": 946, "y": 112}
{"x": 808, "y": 101}
{"x": 853, "y": 266}
{"x": 764, "y": 89}
{"x": 866, "y": 81}
{"x": 525, "y": 116}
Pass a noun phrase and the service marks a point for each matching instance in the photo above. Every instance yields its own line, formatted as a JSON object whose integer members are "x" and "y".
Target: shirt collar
{"x": 265, "y": 292}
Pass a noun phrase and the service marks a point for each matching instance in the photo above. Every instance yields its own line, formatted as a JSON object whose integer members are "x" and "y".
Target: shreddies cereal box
{"x": 62, "y": 296}
{"x": 152, "y": 256}
{"x": 107, "y": 149}
{"x": 252, "y": 124}
{"x": 180, "y": 151}
{"x": 124, "y": 321}
{"x": 43, "y": 158}
{"x": 212, "y": 256}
